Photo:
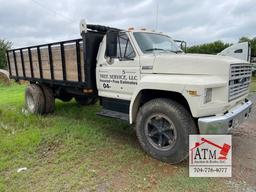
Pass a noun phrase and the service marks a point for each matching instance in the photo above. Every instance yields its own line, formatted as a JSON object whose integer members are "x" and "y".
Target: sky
{"x": 32, "y": 22}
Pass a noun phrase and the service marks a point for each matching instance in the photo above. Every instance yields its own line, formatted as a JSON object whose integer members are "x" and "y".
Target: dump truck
{"x": 140, "y": 76}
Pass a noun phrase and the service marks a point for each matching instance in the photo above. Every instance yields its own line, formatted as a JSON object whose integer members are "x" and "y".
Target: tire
{"x": 34, "y": 99}
{"x": 49, "y": 99}
{"x": 163, "y": 127}
{"x": 82, "y": 100}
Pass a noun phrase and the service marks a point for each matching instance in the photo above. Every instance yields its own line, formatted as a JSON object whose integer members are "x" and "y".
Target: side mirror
{"x": 111, "y": 48}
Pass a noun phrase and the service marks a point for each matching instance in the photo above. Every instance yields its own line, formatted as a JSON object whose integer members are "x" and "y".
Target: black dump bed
{"x": 65, "y": 63}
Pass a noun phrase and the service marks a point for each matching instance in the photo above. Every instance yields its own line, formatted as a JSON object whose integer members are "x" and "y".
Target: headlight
{"x": 208, "y": 95}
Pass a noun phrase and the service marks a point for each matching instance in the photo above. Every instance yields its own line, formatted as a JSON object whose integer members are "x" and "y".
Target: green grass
{"x": 253, "y": 84}
{"x": 75, "y": 150}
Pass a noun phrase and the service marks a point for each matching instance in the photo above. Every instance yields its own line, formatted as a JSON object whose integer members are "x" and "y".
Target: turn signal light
{"x": 193, "y": 93}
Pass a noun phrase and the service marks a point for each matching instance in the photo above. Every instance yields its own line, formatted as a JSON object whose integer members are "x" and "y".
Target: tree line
{"x": 206, "y": 48}
{"x": 4, "y": 45}
{"x": 217, "y": 46}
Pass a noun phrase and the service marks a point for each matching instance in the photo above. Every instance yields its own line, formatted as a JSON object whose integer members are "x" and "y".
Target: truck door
{"x": 118, "y": 77}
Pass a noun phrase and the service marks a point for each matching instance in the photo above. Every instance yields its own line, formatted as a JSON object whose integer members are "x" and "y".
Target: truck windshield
{"x": 150, "y": 42}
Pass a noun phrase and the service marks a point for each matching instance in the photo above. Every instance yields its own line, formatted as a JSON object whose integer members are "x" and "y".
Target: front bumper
{"x": 227, "y": 122}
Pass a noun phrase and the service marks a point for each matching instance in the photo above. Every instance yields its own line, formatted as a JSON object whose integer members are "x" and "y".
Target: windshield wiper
{"x": 155, "y": 49}
{"x": 174, "y": 51}
{"x": 159, "y": 49}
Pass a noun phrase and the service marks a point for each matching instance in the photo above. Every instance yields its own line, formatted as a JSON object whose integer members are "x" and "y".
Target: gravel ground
{"x": 244, "y": 152}
{"x": 252, "y": 97}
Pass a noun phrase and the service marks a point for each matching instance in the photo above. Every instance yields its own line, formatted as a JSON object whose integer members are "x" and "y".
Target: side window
{"x": 125, "y": 50}
{"x": 238, "y": 51}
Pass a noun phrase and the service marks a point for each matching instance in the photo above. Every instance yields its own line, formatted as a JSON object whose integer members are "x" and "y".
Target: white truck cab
{"x": 148, "y": 68}
{"x": 146, "y": 60}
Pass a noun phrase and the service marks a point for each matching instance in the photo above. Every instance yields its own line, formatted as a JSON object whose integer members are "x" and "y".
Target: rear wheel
{"x": 34, "y": 99}
{"x": 82, "y": 100}
{"x": 163, "y": 127}
{"x": 49, "y": 99}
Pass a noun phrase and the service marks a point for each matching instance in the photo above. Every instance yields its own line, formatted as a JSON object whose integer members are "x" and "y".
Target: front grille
{"x": 239, "y": 80}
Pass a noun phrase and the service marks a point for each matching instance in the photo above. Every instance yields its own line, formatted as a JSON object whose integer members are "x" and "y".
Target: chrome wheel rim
{"x": 30, "y": 103}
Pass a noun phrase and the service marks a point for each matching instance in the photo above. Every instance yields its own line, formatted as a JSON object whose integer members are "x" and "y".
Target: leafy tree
{"x": 208, "y": 48}
{"x": 217, "y": 46}
{"x": 4, "y": 45}
{"x": 244, "y": 39}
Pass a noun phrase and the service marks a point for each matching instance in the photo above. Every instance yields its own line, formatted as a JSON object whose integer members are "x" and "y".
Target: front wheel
{"x": 163, "y": 127}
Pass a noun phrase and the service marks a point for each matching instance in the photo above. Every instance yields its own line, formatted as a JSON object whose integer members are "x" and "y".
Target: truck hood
{"x": 193, "y": 64}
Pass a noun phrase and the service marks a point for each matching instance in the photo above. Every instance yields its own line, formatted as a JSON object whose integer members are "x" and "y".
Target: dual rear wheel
{"x": 39, "y": 99}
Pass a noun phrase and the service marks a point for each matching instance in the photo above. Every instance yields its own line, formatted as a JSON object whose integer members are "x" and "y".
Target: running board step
{"x": 113, "y": 114}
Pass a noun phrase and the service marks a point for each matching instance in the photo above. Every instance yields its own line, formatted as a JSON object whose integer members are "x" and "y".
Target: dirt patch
{"x": 244, "y": 149}
{"x": 121, "y": 180}
{"x": 47, "y": 149}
